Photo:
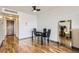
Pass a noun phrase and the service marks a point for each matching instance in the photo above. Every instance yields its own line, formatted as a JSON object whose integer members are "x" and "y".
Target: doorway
{"x": 10, "y": 27}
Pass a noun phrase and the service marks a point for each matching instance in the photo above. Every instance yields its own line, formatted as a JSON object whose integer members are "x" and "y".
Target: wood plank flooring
{"x": 13, "y": 45}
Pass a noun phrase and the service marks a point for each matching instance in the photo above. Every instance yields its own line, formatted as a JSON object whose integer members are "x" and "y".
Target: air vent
{"x": 9, "y": 11}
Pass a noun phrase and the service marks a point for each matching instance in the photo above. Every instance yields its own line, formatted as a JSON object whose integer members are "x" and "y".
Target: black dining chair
{"x": 44, "y": 32}
{"x": 45, "y": 36}
{"x": 37, "y": 34}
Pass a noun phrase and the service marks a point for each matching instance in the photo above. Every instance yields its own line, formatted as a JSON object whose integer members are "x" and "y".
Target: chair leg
{"x": 32, "y": 40}
{"x": 48, "y": 41}
{"x": 45, "y": 40}
{"x": 35, "y": 39}
{"x": 38, "y": 40}
{"x": 41, "y": 41}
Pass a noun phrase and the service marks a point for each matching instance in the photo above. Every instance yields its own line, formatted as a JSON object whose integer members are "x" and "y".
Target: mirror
{"x": 65, "y": 33}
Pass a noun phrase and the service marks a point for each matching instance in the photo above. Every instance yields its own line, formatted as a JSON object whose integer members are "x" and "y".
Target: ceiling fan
{"x": 35, "y": 9}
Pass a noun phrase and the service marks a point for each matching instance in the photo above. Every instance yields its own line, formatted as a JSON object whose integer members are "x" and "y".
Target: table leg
{"x": 41, "y": 40}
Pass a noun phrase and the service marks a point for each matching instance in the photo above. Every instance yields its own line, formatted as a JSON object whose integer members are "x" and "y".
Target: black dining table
{"x": 39, "y": 32}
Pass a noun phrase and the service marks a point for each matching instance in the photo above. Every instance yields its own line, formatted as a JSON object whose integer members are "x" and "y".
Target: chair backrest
{"x": 44, "y": 31}
{"x": 48, "y": 32}
{"x": 34, "y": 30}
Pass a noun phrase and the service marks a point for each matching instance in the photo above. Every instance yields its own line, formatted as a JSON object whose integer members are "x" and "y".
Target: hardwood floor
{"x": 13, "y": 45}
{"x": 10, "y": 44}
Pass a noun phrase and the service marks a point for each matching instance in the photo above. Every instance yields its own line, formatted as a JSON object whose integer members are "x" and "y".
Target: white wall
{"x": 2, "y": 30}
{"x": 16, "y": 27}
{"x": 26, "y": 24}
{"x": 50, "y": 19}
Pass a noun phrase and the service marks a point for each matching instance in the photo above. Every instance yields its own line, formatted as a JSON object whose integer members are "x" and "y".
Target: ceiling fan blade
{"x": 34, "y": 7}
{"x": 38, "y": 9}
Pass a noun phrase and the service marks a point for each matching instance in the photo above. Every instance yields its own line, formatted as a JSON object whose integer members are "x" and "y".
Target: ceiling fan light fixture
{"x": 34, "y": 10}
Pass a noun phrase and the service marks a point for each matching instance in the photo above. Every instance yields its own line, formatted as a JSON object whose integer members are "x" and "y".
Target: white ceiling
{"x": 28, "y": 9}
